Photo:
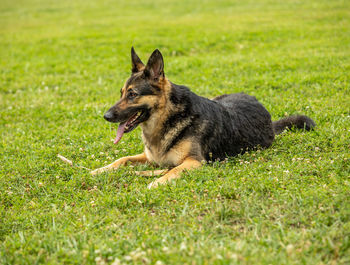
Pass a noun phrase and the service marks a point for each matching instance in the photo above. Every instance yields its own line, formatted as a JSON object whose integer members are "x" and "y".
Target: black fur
{"x": 146, "y": 90}
{"x": 155, "y": 66}
{"x": 136, "y": 63}
{"x": 296, "y": 121}
{"x": 227, "y": 125}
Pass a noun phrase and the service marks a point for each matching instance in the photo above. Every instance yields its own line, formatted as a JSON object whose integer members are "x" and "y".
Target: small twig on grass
{"x": 70, "y": 162}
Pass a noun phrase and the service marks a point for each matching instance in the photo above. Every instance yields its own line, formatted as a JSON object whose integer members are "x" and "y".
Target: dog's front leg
{"x": 150, "y": 173}
{"x": 141, "y": 158}
{"x": 188, "y": 163}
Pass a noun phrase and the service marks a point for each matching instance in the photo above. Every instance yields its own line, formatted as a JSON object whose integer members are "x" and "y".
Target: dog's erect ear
{"x": 137, "y": 64}
{"x": 155, "y": 66}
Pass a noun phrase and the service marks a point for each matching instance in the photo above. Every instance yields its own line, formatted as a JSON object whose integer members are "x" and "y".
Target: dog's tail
{"x": 295, "y": 121}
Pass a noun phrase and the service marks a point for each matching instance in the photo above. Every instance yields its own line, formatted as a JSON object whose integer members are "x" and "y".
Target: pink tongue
{"x": 120, "y": 132}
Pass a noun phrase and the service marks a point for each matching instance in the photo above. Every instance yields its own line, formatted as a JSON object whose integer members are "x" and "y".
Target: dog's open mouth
{"x": 129, "y": 125}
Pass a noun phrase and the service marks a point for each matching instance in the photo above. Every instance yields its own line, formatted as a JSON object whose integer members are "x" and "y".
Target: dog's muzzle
{"x": 109, "y": 116}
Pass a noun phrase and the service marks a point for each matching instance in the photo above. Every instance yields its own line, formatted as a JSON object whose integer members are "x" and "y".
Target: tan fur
{"x": 169, "y": 136}
{"x": 123, "y": 104}
{"x": 123, "y": 90}
{"x": 151, "y": 100}
{"x": 175, "y": 173}
{"x": 140, "y": 67}
{"x": 172, "y": 158}
{"x": 141, "y": 158}
{"x": 150, "y": 173}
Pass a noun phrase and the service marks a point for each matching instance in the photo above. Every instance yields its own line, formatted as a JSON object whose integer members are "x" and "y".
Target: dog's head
{"x": 141, "y": 95}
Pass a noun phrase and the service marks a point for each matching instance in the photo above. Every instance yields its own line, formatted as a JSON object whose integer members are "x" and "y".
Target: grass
{"x": 62, "y": 64}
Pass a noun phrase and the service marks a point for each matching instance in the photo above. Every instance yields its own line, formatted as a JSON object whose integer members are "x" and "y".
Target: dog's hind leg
{"x": 141, "y": 158}
{"x": 175, "y": 173}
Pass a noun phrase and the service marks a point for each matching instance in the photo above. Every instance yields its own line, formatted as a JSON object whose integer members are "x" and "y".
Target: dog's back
{"x": 250, "y": 118}
{"x": 231, "y": 124}
{"x": 252, "y": 122}
{"x": 242, "y": 123}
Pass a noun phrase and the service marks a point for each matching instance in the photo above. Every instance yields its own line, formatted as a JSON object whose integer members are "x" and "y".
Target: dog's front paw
{"x": 99, "y": 171}
{"x": 157, "y": 182}
{"x": 152, "y": 185}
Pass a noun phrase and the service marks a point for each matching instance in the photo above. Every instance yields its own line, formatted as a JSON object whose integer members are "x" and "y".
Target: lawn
{"x": 62, "y": 64}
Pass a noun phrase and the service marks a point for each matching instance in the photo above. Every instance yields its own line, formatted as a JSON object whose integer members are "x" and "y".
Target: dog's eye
{"x": 132, "y": 95}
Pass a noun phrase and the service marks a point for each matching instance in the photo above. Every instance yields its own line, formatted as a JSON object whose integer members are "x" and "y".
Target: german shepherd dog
{"x": 180, "y": 129}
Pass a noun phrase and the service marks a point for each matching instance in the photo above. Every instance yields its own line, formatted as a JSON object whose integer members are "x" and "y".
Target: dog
{"x": 180, "y": 129}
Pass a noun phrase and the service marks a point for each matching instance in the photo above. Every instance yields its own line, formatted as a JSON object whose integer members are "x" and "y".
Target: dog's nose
{"x": 108, "y": 116}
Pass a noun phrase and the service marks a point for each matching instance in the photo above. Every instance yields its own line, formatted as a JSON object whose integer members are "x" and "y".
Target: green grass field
{"x": 62, "y": 64}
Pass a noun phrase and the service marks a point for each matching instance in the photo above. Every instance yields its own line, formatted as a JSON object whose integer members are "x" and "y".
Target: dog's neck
{"x": 152, "y": 129}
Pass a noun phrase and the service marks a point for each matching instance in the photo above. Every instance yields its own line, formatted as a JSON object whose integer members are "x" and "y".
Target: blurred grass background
{"x": 62, "y": 64}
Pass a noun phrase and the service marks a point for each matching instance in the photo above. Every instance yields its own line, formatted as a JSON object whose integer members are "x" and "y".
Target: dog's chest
{"x": 159, "y": 147}
{"x": 170, "y": 158}
{"x": 174, "y": 157}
